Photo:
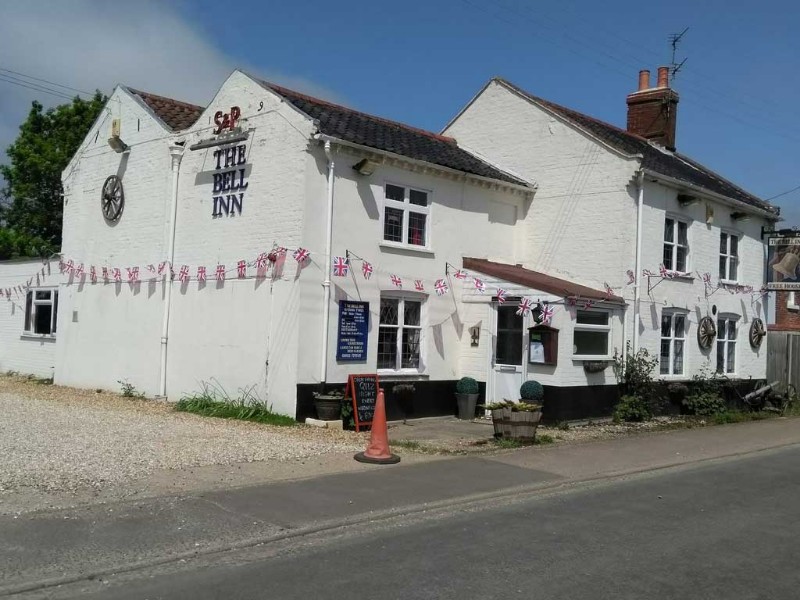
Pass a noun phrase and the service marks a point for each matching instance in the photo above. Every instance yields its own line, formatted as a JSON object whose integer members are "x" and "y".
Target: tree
{"x": 18, "y": 245}
{"x": 32, "y": 204}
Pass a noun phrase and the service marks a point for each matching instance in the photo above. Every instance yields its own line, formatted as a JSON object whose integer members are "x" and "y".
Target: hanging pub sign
{"x": 783, "y": 263}
{"x": 362, "y": 390}
{"x": 353, "y": 331}
{"x": 229, "y": 181}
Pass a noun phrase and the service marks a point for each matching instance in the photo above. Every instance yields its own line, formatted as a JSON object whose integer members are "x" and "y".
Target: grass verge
{"x": 208, "y": 406}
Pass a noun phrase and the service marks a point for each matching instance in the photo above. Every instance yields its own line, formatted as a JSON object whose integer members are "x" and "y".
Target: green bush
{"x": 634, "y": 409}
{"x": 531, "y": 391}
{"x": 467, "y": 385}
{"x": 704, "y": 404}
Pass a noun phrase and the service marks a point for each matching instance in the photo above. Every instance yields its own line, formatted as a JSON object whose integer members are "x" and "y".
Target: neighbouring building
{"x": 272, "y": 242}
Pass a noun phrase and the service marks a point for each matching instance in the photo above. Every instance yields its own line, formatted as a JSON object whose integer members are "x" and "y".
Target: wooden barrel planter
{"x": 524, "y": 424}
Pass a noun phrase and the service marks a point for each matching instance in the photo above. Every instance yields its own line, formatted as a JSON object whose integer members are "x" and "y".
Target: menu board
{"x": 353, "y": 331}
{"x": 363, "y": 392}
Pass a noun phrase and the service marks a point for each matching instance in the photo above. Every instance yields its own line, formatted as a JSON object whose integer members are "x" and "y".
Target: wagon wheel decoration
{"x": 706, "y": 332}
{"x": 757, "y": 332}
{"x": 112, "y": 198}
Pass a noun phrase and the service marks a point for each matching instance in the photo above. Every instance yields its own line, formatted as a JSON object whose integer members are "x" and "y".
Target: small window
{"x": 728, "y": 256}
{"x": 405, "y": 216}
{"x": 509, "y": 342}
{"x": 676, "y": 245}
{"x": 399, "y": 334}
{"x": 591, "y": 334}
{"x": 673, "y": 339}
{"x": 41, "y": 312}
{"x": 726, "y": 344}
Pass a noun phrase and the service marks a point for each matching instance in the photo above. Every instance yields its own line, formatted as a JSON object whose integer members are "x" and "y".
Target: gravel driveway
{"x": 62, "y": 439}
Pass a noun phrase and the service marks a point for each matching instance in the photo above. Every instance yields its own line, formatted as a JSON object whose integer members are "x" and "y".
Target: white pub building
{"x": 272, "y": 242}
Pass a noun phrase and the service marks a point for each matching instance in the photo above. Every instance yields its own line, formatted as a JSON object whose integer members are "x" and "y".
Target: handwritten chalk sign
{"x": 363, "y": 392}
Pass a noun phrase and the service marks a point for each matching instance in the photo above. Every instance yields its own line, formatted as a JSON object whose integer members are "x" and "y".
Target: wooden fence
{"x": 783, "y": 358}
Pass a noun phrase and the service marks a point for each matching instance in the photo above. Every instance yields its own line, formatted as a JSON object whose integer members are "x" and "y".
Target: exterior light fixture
{"x": 365, "y": 167}
{"x": 117, "y": 144}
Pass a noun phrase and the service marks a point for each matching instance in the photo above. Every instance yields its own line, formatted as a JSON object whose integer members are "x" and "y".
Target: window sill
{"x": 680, "y": 276}
{"x": 587, "y": 358}
{"x": 41, "y": 337}
{"x": 407, "y": 248}
{"x": 389, "y": 376}
{"x": 729, "y": 282}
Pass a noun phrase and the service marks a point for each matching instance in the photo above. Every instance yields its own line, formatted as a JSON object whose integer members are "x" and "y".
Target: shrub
{"x": 634, "y": 372}
{"x": 704, "y": 404}
{"x": 467, "y": 385}
{"x": 634, "y": 409}
{"x": 531, "y": 391}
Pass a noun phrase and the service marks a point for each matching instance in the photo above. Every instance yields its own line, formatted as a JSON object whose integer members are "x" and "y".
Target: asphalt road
{"x": 724, "y": 530}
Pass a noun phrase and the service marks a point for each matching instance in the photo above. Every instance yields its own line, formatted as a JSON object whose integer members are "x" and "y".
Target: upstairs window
{"x": 673, "y": 338}
{"x": 728, "y": 256}
{"x": 726, "y": 345}
{"x": 405, "y": 216}
{"x": 676, "y": 245}
{"x": 41, "y": 312}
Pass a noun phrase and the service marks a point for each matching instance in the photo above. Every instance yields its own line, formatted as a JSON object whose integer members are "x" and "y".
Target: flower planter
{"x": 524, "y": 424}
{"x": 497, "y": 421}
{"x": 329, "y": 408}
{"x": 466, "y": 406}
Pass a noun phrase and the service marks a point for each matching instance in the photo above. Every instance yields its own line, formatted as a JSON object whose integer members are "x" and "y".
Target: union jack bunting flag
{"x": 609, "y": 290}
{"x": 524, "y": 307}
{"x": 105, "y": 273}
{"x": 662, "y": 271}
{"x": 117, "y": 274}
{"x": 301, "y": 255}
{"x": 241, "y": 269}
{"x": 161, "y": 267}
{"x": 220, "y": 272}
{"x": 572, "y": 301}
{"x": 396, "y": 281}
{"x": 501, "y": 295}
{"x": 459, "y": 274}
{"x": 261, "y": 261}
{"x": 151, "y": 269}
{"x": 631, "y": 276}
{"x": 418, "y": 285}
{"x": 366, "y": 269}
{"x": 133, "y": 274}
{"x": 748, "y": 289}
{"x": 547, "y": 313}
{"x": 93, "y": 274}
{"x": 201, "y": 273}
{"x": 8, "y": 292}
{"x": 479, "y": 285}
{"x": 341, "y": 266}
{"x": 78, "y": 271}
{"x": 70, "y": 266}
{"x": 441, "y": 287}
{"x": 183, "y": 274}
{"x": 647, "y": 273}
{"x": 706, "y": 277}
{"x": 588, "y": 304}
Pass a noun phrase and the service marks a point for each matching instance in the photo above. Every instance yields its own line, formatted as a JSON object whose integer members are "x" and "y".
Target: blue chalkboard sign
{"x": 353, "y": 331}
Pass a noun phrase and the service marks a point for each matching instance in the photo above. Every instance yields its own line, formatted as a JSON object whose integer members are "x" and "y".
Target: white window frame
{"x": 673, "y": 313}
{"x": 676, "y": 244}
{"x": 726, "y": 342}
{"x": 402, "y": 298}
{"x": 791, "y": 301}
{"x": 728, "y": 256}
{"x": 407, "y": 207}
{"x": 28, "y": 325}
{"x": 588, "y": 327}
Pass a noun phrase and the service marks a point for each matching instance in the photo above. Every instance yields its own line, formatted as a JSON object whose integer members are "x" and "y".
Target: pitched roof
{"x": 536, "y": 280}
{"x": 654, "y": 158}
{"x": 382, "y": 134}
{"x": 175, "y": 114}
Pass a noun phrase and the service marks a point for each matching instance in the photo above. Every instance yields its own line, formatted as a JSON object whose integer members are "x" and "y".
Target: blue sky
{"x": 419, "y": 62}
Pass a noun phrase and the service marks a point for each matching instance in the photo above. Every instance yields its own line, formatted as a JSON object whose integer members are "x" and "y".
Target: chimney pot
{"x": 663, "y": 77}
{"x": 644, "y": 79}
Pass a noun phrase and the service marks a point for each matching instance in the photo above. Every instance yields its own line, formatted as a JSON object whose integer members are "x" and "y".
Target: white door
{"x": 509, "y": 344}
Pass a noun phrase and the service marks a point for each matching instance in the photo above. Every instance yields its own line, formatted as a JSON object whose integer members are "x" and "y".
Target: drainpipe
{"x": 638, "y": 272}
{"x": 326, "y": 284}
{"x": 176, "y": 154}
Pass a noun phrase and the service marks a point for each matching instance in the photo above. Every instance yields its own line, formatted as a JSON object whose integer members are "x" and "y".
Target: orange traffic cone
{"x": 377, "y": 451}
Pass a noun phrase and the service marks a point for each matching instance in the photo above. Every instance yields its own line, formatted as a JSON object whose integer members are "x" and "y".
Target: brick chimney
{"x": 652, "y": 112}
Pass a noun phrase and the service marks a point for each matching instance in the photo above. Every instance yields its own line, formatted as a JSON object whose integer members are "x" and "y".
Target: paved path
{"x": 81, "y": 548}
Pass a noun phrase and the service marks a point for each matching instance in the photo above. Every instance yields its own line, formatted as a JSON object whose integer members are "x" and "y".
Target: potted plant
{"x": 525, "y": 417}
{"x": 329, "y": 404}
{"x": 501, "y": 416}
{"x": 467, "y": 398}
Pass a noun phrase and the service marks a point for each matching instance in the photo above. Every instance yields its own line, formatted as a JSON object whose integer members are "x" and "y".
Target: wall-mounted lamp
{"x": 475, "y": 336}
{"x": 365, "y": 167}
{"x": 117, "y": 144}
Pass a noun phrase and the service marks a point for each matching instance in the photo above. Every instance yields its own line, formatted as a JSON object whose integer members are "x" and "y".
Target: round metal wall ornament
{"x": 757, "y": 332}
{"x": 112, "y": 198}
{"x": 706, "y": 332}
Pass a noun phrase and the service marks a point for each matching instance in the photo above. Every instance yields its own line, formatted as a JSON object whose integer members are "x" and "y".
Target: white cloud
{"x": 89, "y": 44}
